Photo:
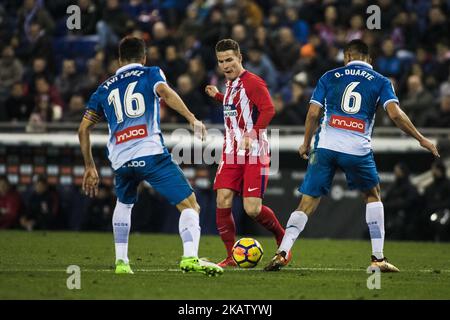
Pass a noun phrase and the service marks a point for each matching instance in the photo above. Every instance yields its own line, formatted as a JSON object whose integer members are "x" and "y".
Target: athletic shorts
{"x": 160, "y": 171}
{"x": 360, "y": 171}
{"x": 247, "y": 179}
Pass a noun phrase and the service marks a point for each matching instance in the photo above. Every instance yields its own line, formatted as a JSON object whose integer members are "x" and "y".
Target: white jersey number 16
{"x": 130, "y": 96}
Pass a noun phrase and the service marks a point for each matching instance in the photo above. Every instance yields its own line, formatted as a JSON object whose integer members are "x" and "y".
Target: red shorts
{"x": 247, "y": 179}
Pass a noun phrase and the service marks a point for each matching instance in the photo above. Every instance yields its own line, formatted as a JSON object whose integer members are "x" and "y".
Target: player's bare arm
{"x": 90, "y": 177}
{"x": 403, "y": 122}
{"x": 173, "y": 100}
{"x": 311, "y": 124}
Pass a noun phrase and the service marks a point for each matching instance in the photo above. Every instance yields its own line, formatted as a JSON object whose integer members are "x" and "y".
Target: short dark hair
{"x": 228, "y": 44}
{"x": 357, "y": 46}
{"x": 131, "y": 49}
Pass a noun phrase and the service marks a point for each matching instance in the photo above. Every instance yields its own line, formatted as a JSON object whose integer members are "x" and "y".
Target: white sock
{"x": 294, "y": 226}
{"x": 375, "y": 222}
{"x": 121, "y": 227}
{"x": 189, "y": 227}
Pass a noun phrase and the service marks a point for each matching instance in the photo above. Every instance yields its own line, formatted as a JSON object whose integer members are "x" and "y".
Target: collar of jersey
{"x": 128, "y": 66}
{"x": 368, "y": 65}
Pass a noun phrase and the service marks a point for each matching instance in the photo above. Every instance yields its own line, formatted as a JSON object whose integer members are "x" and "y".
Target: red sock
{"x": 268, "y": 220}
{"x": 226, "y": 228}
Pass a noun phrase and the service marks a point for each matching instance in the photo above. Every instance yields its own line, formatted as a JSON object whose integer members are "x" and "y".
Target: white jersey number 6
{"x": 351, "y": 100}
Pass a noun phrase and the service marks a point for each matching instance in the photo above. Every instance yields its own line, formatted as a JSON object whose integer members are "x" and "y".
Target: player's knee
{"x": 252, "y": 209}
{"x": 224, "y": 200}
{"x": 308, "y": 205}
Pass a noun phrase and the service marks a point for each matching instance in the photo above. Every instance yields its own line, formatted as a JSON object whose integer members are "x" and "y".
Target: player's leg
{"x": 126, "y": 191}
{"x": 317, "y": 182}
{"x": 375, "y": 222}
{"x": 228, "y": 181}
{"x": 166, "y": 177}
{"x": 361, "y": 174}
{"x": 256, "y": 176}
{"x": 225, "y": 224}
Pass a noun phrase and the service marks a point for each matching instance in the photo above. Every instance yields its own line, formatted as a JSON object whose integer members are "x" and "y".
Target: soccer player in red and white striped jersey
{"x": 244, "y": 168}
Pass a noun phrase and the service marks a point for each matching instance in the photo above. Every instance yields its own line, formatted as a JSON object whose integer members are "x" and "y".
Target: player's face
{"x": 230, "y": 64}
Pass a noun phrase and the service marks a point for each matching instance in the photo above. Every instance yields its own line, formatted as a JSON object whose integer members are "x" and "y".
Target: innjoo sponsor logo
{"x": 348, "y": 123}
{"x": 131, "y": 133}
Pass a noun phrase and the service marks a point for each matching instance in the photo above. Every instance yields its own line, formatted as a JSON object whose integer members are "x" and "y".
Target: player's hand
{"x": 303, "y": 150}
{"x": 199, "y": 129}
{"x": 90, "y": 182}
{"x": 427, "y": 144}
{"x": 211, "y": 90}
{"x": 247, "y": 140}
{"x": 246, "y": 143}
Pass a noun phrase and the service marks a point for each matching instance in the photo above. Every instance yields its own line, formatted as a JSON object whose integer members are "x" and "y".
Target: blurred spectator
{"x": 287, "y": 51}
{"x": 75, "y": 110}
{"x": 10, "y": 204}
{"x": 418, "y": 100}
{"x": 100, "y": 210}
{"x": 213, "y": 29}
{"x": 441, "y": 118}
{"x": 34, "y": 11}
{"x": 436, "y": 195}
{"x": 191, "y": 25}
{"x": 37, "y": 44}
{"x": 46, "y": 107}
{"x": 19, "y": 105}
{"x": 438, "y": 27}
{"x": 327, "y": 29}
{"x": 161, "y": 37}
{"x": 11, "y": 71}
{"x": 94, "y": 76}
{"x": 299, "y": 27}
{"x": 154, "y": 57}
{"x": 174, "y": 65}
{"x": 259, "y": 63}
{"x": 401, "y": 206}
{"x": 113, "y": 25}
{"x": 356, "y": 30}
{"x": 69, "y": 81}
{"x": 39, "y": 69}
{"x": 193, "y": 99}
{"x": 388, "y": 64}
{"x": 196, "y": 69}
{"x": 42, "y": 207}
{"x": 252, "y": 11}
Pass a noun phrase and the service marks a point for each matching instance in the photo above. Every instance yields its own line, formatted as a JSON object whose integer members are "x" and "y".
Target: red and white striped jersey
{"x": 247, "y": 106}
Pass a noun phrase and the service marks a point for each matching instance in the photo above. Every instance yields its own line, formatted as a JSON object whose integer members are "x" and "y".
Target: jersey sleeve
{"x": 260, "y": 97}
{"x": 319, "y": 94}
{"x": 157, "y": 76}
{"x": 387, "y": 93}
{"x": 94, "y": 110}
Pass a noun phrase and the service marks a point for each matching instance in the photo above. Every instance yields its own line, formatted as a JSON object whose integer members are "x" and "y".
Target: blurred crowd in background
{"x": 48, "y": 71}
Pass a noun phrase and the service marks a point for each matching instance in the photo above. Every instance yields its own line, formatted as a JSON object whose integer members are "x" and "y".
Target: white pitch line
{"x": 232, "y": 269}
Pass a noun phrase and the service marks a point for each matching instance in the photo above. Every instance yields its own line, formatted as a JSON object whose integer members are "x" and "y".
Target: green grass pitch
{"x": 33, "y": 266}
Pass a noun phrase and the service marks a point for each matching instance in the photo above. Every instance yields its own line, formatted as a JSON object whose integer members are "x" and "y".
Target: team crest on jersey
{"x": 229, "y": 110}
